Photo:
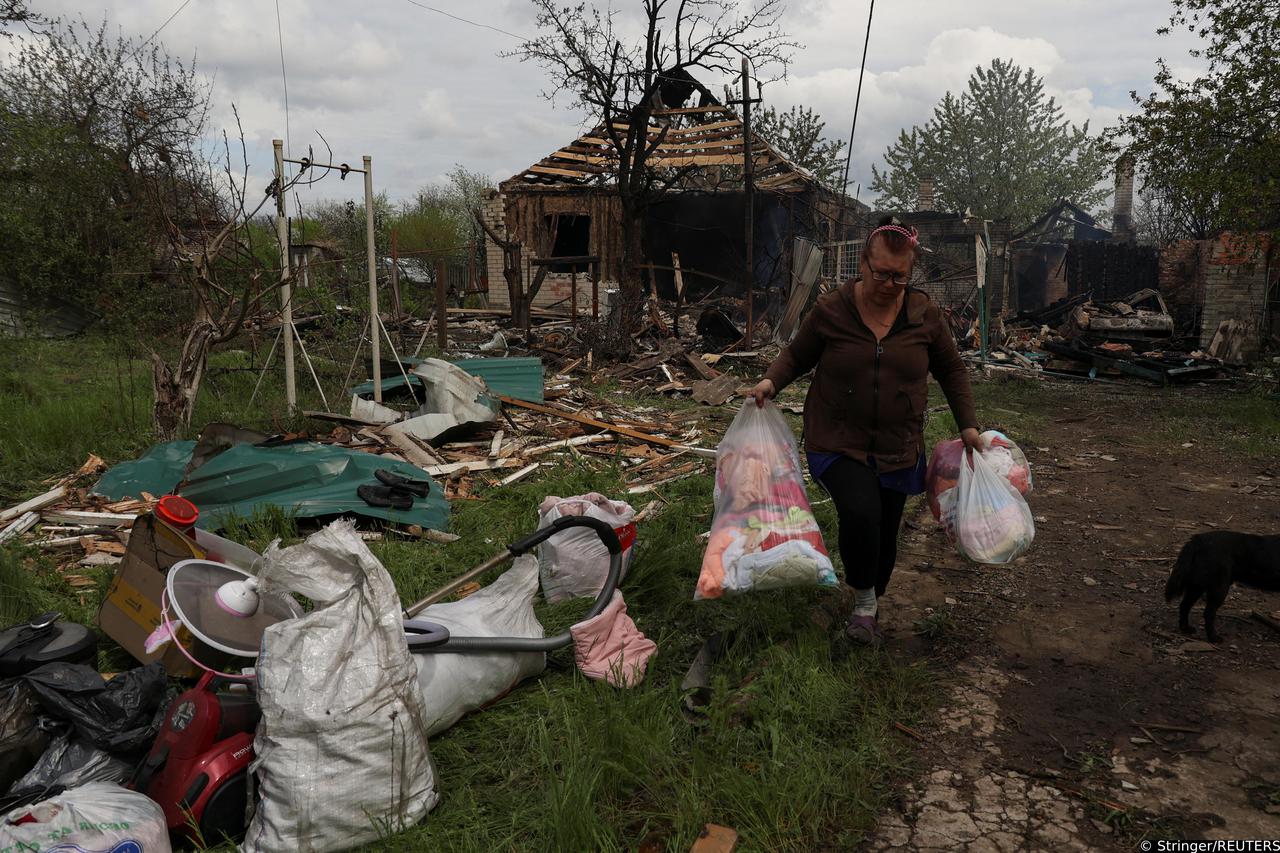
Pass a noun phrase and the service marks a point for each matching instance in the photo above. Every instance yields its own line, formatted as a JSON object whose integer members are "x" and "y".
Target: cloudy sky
{"x": 421, "y": 91}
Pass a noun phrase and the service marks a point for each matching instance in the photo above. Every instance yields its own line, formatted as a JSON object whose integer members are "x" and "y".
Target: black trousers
{"x": 869, "y": 520}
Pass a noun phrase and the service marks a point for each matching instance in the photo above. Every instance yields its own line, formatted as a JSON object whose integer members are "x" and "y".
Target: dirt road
{"x": 1079, "y": 718}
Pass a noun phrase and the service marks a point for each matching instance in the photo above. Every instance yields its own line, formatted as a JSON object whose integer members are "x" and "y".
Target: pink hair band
{"x": 911, "y": 234}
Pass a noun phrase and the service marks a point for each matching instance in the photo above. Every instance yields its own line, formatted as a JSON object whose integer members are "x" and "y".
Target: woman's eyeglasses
{"x": 898, "y": 280}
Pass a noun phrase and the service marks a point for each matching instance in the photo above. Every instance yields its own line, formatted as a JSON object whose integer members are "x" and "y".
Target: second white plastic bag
{"x": 993, "y": 523}
{"x": 574, "y": 563}
{"x": 764, "y": 535}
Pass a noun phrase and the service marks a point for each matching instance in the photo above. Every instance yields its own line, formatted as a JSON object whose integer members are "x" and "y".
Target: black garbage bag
{"x": 21, "y": 740}
{"x": 122, "y": 715}
{"x": 70, "y": 762}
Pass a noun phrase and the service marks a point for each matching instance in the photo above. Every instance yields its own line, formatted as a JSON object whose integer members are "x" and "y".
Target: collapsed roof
{"x": 703, "y": 137}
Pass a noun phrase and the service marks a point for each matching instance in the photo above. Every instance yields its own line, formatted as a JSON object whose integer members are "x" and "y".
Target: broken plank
{"x": 674, "y": 472}
{"x": 704, "y": 452}
{"x": 519, "y": 475}
{"x": 578, "y": 441}
{"x": 98, "y": 519}
{"x": 59, "y": 543}
{"x": 412, "y": 451}
{"x": 52, "y": 496}
{"x": 592, "y": 422}
{"x": 700, "y": 366}
{"x": 25, "y": 522}
{"x": 470, "y": 467}
{"x": 496, "y": 444}
{"x": 645, "y": 488}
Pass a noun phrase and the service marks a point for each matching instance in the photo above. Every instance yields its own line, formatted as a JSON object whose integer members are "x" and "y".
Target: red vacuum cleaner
{"x": 198, "y": 767}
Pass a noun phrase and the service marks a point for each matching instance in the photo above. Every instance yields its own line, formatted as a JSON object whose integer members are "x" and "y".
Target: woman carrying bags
{"x": 872, "y": 344}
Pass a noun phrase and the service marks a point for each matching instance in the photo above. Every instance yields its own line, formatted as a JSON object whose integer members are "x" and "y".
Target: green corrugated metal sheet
{"x": 157, "y": 471}
{"x": 306, "y": 480}
{"x": 519, "y": 378}
{"x": 392, "y": 383}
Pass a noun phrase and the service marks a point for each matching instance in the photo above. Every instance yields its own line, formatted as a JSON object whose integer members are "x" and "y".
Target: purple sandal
{"x": 863, "y": 629}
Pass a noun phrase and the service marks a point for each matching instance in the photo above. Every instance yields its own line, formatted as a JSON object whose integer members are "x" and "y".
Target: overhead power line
{"x": 284, "y": 77}
{"x": 166, "y": 23}
{"x": 465, "y": 20}
{"x": 857, "y": 101}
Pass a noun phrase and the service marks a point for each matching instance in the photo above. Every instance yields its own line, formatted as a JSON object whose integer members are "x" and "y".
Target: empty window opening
{"x": 572, "y": 240}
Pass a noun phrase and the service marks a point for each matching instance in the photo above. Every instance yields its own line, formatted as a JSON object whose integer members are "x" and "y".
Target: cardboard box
{"x": 131, "y": 610}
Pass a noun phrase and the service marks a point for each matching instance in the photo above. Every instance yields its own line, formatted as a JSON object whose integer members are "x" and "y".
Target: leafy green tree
{"x": 1000, "y": 149}
{"x": 94, "y": 129}
{"x": 798, "y": 134}
{"x": 1209, "y": 147}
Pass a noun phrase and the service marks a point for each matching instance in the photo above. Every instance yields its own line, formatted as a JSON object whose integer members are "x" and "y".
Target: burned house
{"x": 563, "y": 213}
{"x": 1228, "y": 285}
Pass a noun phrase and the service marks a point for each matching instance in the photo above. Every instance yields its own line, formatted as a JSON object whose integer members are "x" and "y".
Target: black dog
{"x": 1211, "y": 562}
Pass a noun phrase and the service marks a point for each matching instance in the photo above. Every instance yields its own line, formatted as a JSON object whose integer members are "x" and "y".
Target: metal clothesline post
{"x": 373, "y": 279}
{"x": 286, "y": 294}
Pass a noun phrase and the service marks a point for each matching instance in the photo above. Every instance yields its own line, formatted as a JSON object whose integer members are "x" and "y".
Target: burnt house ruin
{"x": 559, "y": 230}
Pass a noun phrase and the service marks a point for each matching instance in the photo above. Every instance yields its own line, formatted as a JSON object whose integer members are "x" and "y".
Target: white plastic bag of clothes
{"x": 98, "y": 816}
{"x": 1003, "y": 455}
{"x": 456, "y": 684}
{"x": 992, "y": 521}
{"x": 764, "y": 535}
{"x": 575, "y": 563}
{"x": 341, "y": 747}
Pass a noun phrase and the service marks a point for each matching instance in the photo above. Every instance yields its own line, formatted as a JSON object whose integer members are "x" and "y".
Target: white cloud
{"x": 420, "y": 91}
{"x": 434, "y": 115}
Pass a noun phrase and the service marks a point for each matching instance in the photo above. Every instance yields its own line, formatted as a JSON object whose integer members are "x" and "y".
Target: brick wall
{"x": 557, "y": 288}
{"x": 1235, "y": 288}
{"x": 492, "y": 214}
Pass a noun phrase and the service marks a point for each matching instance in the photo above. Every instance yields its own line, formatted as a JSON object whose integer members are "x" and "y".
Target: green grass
{"x": 798, "y": 748}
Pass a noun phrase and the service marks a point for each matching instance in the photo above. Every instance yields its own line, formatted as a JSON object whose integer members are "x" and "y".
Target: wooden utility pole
{"x": 748, "y": 191}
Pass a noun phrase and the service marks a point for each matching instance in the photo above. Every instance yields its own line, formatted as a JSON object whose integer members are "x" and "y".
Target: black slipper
{"x": 385, "y": 497}
{"x": 402, "y": 483}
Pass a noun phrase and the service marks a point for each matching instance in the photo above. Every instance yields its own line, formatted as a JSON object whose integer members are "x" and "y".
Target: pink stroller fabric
{"x": 610, "y": 646}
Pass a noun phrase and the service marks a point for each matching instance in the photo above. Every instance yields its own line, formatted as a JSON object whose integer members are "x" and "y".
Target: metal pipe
{"x": 286, "y": 292}
{"x": 375, "y": 322}
{"x": 982, "y": 293}
{"x": 527, "y": 644}
{"x": 442, "y": 308}
{"x": 311, "y": 165}
{"x": 440, "y": 594}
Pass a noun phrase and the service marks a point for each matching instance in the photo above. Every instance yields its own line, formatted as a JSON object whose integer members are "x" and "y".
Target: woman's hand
{"x": 972, "y": 440}
{"x": 763, "y": 390}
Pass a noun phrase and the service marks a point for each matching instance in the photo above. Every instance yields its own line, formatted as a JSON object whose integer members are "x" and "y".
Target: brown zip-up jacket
{"x": 868, "y": 399}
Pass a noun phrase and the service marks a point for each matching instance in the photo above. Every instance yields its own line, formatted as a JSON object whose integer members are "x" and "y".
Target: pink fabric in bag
{"x": 610, "y": 646}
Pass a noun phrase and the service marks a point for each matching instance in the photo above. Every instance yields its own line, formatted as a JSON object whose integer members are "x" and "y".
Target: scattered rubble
{"x": 1079, "y": 338}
